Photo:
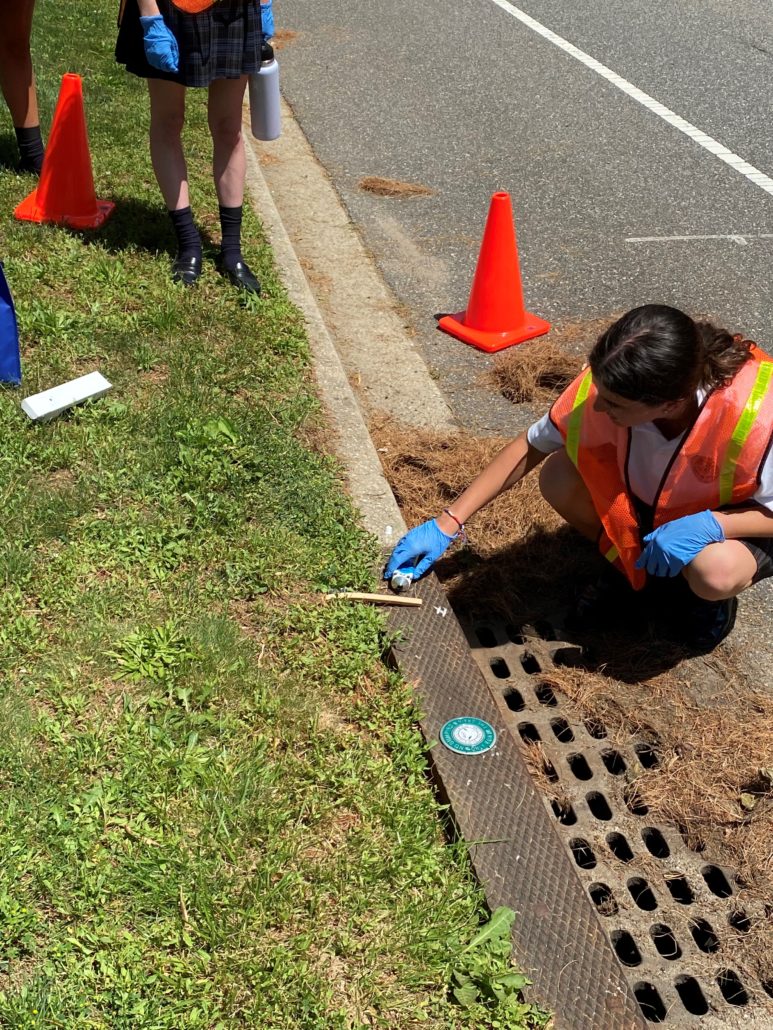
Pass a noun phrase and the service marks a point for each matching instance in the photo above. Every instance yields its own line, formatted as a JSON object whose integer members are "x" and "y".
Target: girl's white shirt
{"x": 650, "y": 454}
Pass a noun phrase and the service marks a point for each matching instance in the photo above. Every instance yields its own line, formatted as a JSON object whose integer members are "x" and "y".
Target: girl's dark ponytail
{"x": 723, "y": 354}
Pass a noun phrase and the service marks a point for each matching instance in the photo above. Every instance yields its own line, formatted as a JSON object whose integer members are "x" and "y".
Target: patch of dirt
{"x": 382, "y": 187}
{"x": 60, "y": 479}
{"x": 283, "y": 37}
{"x": 155, "y": 376}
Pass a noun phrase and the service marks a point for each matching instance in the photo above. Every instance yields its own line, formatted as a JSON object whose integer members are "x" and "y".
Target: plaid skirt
{"x": 222, "y": 42}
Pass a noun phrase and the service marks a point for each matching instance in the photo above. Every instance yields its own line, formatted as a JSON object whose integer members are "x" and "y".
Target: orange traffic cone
{"x": 65, "y": 194}
{"x": 495, "y": 317}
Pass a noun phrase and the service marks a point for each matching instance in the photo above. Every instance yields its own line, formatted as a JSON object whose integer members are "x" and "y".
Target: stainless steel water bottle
{"x": 264, "y": 96}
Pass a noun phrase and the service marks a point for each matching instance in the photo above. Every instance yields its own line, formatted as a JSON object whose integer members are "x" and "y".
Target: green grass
{"x": 214, "y": 805}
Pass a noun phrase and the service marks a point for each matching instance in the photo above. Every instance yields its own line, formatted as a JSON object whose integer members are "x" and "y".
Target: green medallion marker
{"x": 468, "y": 736}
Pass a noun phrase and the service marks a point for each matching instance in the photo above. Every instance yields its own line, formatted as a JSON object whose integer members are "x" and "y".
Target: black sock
{"x": 188, "y": 239}
{"x": 231, "y": 226}
{"x": 31, "y": 148}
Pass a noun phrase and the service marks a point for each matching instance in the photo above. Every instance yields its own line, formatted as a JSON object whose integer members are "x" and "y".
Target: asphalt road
{"x": 466, "y": 99}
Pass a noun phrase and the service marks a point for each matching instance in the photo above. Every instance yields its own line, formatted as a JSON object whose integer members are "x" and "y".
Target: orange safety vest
{"x": 717, "y": 464}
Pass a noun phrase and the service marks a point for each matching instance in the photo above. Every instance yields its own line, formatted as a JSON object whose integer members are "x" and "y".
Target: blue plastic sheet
{"x": 10, "y": 357}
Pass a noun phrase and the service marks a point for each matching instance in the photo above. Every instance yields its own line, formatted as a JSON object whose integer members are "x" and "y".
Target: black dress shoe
{"x": 239, "y": 275}
{"x": 186, "y": 270}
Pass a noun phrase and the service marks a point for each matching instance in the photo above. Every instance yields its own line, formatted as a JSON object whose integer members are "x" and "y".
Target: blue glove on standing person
{"x": 673, "y": 545}
{"x": 160, "y": 45}
{"x": 423, "y": 544}
{"x": 267, "y": 18}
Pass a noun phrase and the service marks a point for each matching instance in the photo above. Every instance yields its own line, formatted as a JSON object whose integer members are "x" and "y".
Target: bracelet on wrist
{"x": 461, "y": 530}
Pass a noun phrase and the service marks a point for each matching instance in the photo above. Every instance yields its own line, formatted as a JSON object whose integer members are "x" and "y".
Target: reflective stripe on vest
{"x": 575, "y": 419}
{"x": 741, "y": 432}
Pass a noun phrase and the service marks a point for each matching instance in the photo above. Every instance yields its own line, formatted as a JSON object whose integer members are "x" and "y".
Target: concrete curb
{"x": 367, "y": 484}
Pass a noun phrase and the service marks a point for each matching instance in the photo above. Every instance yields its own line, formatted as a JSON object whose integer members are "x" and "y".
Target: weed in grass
{"x": 483, "y": 977}
{"x": 156, "y": 653}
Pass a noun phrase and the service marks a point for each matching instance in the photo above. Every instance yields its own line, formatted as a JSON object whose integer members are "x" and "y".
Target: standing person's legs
{"x": 167, "y": 117}
{"x": 229, "y": 167}
{"x": 17, "y": 80}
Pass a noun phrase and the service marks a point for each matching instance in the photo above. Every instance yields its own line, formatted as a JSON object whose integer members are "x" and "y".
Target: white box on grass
{"x": 46, "y": 405}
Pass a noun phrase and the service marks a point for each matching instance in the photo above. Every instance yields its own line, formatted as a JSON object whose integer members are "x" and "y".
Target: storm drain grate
{"x": 660, "y": 903}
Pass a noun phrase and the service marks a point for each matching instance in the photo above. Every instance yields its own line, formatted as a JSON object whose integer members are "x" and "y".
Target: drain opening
{"x": 691, "y": 841}
{"x": 613, "y": 761}
{"x": 655, "y": 842}
{"x": 545, "y": 696}
{"x": 703, "y": 934}
{"x": 500, "y": 668}
{"x": 647, "y": 755}
{"x": 633, "y": 801}
{"x": 733, "y": 991}
{"x": 691, "y": 995}
{"x": 544, "y": 629}
{"x": 716, "y": 881}
{"x": 620, "y": 847}
{"x": 529, "y": 732}
{"x": 603, "y": 898}
{"x": 514, "y": 635}
{"x": 767, "y": 986}
{"x": 579, "y": 766}
{"x": 529, "y": 663}
{"x": 650, "y": 1002}
{"x": 486, "y": 636}
{"x": 625, "y": 948}
{"x": 583, "y": 853}
{"x": 564, "y": 812}
{"x": 680, "y": 889}
{"x": 665, "y": 942}
{"x": 514, "y": 700}
{"x": 740, "y": 921}
{"x": 598, "y": 805}
{"x": 642, "y": 894}
{"x": 562, "y": 730}
{"x": 595, "y": 729}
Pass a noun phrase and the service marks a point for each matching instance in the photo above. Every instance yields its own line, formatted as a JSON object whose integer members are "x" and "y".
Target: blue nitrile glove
{"x": 160, "y": 45}
{"x": 267, "y": 18}
{"x": 673, "y": 545}
{"x": 423, "y": 544}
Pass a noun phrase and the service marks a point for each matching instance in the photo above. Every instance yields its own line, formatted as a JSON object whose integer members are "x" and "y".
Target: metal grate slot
{"x": 691, "y": 995}
{"x": 603, "y": 898}
{"x": 655, "y": 842}
{"x": 703, "y": 934}
{"x": 665, "y": 942}
{"x": 680, "y": 889}
{"x": 650, "y": 1002}
{"x": 625, "y": 948}
{"x": 583, "y": 853}
{"x": 733, "y": 991}
{"x": 500, "y": 668}
{"x": 620, "y": 847}
{"x": 641, "y": 892}
{"x": 716, "y": 881}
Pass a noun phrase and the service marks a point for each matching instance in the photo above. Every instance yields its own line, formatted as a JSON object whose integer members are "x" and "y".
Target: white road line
{"x": 735, "y": 237}
{"x": 707, "y": 142}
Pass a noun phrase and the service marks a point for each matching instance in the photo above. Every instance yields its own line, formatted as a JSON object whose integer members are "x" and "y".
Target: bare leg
{"x": 17, "y": 79}
{"x": 229, "y": 164}
{"x": 721, "y": 571}
{"x": 562, "y": 487}
{"x": 167, "y": 117}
